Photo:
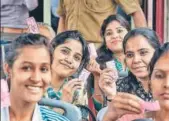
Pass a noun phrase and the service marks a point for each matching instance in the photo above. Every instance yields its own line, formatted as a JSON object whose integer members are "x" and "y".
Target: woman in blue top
{"x": 28, "y": 68}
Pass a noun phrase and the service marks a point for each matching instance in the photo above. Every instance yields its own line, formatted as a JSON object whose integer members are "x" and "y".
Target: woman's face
{"x": 160, "y": 81}
{"x": 67, "y": 58}
{"x": 30, "y": 74}
{"x": 138, "y": 55}
{"x": 114, "y": 35}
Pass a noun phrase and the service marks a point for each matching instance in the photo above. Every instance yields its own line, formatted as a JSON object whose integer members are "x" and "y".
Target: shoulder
{"x": 50, "y": 115}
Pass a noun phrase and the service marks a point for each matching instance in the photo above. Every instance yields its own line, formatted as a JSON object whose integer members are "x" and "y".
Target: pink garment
{"x": 5, "y": 99}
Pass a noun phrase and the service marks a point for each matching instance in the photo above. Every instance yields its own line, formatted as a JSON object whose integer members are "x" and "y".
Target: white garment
{"x": 36, "y": 115}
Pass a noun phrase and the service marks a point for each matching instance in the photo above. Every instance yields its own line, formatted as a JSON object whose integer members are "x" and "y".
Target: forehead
{"x": 163, "y": 62}
{"x": 73, "y": 45}
{"x": 34, "y": 54}
{"x": 137, "y": 43}
{"x": 113, "y": 25}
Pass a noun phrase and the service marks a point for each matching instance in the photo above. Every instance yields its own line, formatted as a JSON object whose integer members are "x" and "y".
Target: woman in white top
{"x": 28, "y": 68}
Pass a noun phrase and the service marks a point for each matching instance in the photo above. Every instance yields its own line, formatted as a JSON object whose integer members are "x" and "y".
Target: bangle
{"x": 109, "y": 100}
{"x": 98, "y": 94}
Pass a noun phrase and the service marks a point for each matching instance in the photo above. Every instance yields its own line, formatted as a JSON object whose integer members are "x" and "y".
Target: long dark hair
{"x": 104, "y": 54}
{"x": 75, "y": 35}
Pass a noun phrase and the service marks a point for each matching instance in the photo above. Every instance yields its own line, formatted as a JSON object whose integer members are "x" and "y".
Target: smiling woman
{"x": 28, "y": 69}
{"x": 70, "y": 55}
{"x": 139, "y": 46}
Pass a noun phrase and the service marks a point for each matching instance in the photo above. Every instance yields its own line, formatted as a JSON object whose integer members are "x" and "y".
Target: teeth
{"x": 34, "y": 89}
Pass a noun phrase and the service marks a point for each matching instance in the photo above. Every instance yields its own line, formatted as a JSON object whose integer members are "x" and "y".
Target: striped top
{"x": 50, "y": 115}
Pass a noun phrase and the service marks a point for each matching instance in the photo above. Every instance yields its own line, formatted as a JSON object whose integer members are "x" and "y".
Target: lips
{"x": 34, "y": 89}
{"x": 138, "y": 68}
{"x": 66, "y": 65}
{"x": 165, "y": 96}
{"x": 116, "y": 41}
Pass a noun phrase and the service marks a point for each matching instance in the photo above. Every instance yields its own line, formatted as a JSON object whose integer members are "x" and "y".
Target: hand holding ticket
{"x": 150, "y": 106}
{"x": 111, "y": 64}
{"x": 147, "y": 106}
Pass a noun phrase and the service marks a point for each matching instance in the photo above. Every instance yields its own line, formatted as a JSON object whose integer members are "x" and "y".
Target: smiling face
{"x": 160, "y": 81}
{"x": 138, "y": 55}
{"x": 67, "y": 58}
{"x": 30, "y": 73}
{"x": 114, "y": 36}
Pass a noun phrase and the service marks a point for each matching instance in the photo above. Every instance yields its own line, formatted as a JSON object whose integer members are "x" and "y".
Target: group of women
{"x": 36, "y": 69}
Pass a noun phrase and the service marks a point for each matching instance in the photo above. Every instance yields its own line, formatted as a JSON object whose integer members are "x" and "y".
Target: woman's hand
{"x": 69, "y": 89}
{"x": 93, "y": 67}
{"x": 107, "y": 80}
{"x": 125, "y": 103}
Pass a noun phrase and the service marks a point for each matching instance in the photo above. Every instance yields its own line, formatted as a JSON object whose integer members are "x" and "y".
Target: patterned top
{"x": 80, "y": 97}
{"x": 40, "y": 114}
{"x": 131, "y": 85}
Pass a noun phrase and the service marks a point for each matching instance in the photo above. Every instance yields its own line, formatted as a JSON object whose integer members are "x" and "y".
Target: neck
{"x": 162, "y": 115}
{"x": 20, "y": 110}
{"x": 57, "y": 81}
{"x": 120, "y": 56}
{"x": 144, "y": 82}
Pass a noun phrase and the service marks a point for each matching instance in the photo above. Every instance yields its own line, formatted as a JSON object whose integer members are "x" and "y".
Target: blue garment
{"x": 54, "y": 7}
{"x": 40, "y": 114}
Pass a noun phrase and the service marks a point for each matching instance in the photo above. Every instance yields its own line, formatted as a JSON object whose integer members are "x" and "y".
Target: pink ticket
{"x": 5, "y": 98}
{"x": 92, "y": 50}
{"x": 84, "y": 75}
{"x": 32, "y": 25}
{"x": 151, "y": 106}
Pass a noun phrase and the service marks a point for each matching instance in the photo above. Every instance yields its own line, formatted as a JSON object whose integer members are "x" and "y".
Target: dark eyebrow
{"x": 128, "y": 51}
{"x": 70, "y": 50}
{"x": 66, "y": 48}
{"x": 27, "y": 62}
{"x": 142, "y": 49}
{"x": 120, "y": 27}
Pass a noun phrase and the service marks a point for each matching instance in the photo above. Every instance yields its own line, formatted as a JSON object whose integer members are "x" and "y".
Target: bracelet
{"x": 98, "y": 94}
{"x": 109, "y": 100}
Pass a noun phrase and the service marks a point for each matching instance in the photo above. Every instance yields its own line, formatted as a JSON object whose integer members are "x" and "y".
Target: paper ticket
{"x": 32, "y": 25}
{"x": 92, "y": 50}
{"x": 84, "y": 75}
{"x": 111, "y": 64}
{"x": 5, "y": 98}
{"x": 150, "y": 106}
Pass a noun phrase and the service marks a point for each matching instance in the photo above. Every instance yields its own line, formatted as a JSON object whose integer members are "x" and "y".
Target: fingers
{"x": 111, "y": 72}
{"x": 73, "y": 83}
{"x": 127, "y": 102}
{"x": 93, "y": 66}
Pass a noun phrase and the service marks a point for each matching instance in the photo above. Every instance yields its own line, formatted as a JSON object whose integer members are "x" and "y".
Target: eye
{"x": 159, "y": 75}
{"x": 44, "y": 69}
{"x": 65, "y": 51}
{"x": 143, "y": 53}
{"x": 129, "y": 55}
{"x": 77, "y": 58}
{"x": 27, "y": 68}
{"x": 120, "y": 30}
{"x": 108, "y": 34}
